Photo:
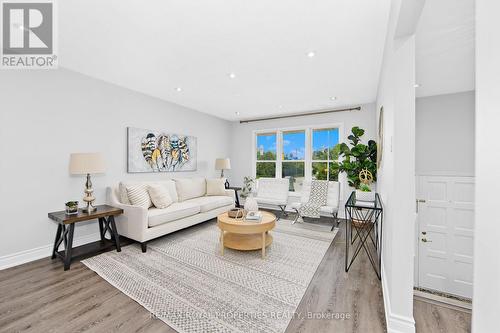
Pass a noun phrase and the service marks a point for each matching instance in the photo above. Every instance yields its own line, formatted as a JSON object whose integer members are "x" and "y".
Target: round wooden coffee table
{"x": 238, "y": 234}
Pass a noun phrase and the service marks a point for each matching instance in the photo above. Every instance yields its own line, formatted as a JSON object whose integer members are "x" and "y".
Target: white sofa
{"x": 332, "y": 201}
{"x": 190, "y": 206}
{"x": 273, "y": 191}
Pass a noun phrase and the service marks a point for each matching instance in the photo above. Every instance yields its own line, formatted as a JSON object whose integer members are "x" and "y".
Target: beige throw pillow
{"x": 122, "y": 189}
{"x": 216, "y": 186}
{"x": 159, "y": 196}
{"x": 189, "y": 188}
{"x": 138, "y": 195}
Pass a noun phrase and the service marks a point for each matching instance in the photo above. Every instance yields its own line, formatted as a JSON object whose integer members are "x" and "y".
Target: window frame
{"x": 275, "y": 161}
{"x": 279, "y": 146}
{"x": 328, "y": 160}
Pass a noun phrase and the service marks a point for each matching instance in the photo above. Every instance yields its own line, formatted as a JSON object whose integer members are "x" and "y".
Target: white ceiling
{"x": 445, "y": 47}
{"x": 156, "y": 46}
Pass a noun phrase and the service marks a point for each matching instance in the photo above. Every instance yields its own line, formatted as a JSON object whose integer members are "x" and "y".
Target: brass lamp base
{"x": 89, "y": 209}
{"x": 89, "y": 198}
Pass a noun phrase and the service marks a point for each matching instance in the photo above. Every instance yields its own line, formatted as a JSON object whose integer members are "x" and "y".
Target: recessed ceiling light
{"x": 311, "y": 54}
{"x": 333, "y": 98}
{"x": 416, "y": 85}
{"x": 232, "y": 75}
{"x": 178, "y": 89}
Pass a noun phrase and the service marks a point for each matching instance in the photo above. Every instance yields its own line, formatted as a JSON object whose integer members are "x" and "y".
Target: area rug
{"x": 185, "y": 282}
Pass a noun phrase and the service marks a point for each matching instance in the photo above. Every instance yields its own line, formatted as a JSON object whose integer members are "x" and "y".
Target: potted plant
{"x": 357, "y": 158}
{"x": 71, "y": 207}
{"x": 364, "y": 193}
{"x": 247, "y": 186}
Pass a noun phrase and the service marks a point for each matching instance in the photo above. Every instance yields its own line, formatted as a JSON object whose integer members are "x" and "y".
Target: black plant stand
{"x": 364, "y": 231}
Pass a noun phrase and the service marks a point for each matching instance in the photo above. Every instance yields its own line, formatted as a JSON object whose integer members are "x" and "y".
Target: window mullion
{"x": 279, "y": 154}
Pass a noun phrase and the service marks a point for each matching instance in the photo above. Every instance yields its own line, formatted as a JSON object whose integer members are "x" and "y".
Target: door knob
{"x": 426, "y": 241}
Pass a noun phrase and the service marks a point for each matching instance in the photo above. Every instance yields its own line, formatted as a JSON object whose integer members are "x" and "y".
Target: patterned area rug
{"x": 183, "y": 280}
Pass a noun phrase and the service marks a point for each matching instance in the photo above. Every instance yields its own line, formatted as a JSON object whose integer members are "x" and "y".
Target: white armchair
{"x": 332, "y": 201}
{"x": 273, "y": 191}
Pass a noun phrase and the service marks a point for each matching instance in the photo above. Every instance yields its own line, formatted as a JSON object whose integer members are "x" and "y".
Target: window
{"x": 266, "y": 155}
{"x": 293, "y": 160}
{"x": 324, "y": 153}
{"x": 297, "y": 154}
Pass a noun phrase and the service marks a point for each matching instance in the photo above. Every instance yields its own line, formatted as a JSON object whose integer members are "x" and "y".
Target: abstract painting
{"x": 158, "y": 151}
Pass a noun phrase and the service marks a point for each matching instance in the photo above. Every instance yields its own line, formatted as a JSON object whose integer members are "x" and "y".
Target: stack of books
{"x": 253, "y": 216}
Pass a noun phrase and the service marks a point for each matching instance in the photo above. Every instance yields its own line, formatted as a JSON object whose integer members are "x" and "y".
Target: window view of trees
{"x": 266, "y": 169}
{"x": 290, "y": 158}
{"x": 266, "y": 147}
{"x": 324, "y": 151}
{"x": 294, "y": 146}
{"x": 266, "y": 151}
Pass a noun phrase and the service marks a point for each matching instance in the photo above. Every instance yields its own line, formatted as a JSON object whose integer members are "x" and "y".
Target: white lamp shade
{"x": 84, "y": 163}
{"x": 222, "y": 164}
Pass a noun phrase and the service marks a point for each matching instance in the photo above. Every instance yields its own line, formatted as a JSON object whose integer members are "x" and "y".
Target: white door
{"x": 446, "y": 233}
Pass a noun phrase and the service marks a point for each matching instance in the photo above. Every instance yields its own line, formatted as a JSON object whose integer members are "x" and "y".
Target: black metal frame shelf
{"x": 366, "y": 220}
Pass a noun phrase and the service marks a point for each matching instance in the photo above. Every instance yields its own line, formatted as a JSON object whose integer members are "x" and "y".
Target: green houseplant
{"x": 356, "y": 158}
{"x": 71, "y": 207}
{"x": 248, "y": 183}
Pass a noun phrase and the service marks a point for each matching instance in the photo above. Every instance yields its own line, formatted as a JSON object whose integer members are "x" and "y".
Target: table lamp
{"x": 223, "y": 164}
{"x": 87, "y": 164}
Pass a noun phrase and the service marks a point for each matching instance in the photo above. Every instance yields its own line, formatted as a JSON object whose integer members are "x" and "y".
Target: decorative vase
{"x": 251, "y": 204}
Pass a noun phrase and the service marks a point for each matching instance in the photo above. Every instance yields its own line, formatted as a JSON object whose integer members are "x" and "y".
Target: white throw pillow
{"x": 138, "y": 195}
{"x": 216, "y": 186}
{"x": 159, "y": 196}
{"x": 189, "y": 188}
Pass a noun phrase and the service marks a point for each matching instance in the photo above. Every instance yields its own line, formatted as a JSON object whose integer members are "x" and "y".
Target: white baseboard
{"x": 45, "y": 251}
{"x": 395, "y": 323}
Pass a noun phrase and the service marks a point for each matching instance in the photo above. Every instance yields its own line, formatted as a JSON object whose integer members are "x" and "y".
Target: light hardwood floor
{"x": 41, "y": 297}
{"x": 433, "y": 318}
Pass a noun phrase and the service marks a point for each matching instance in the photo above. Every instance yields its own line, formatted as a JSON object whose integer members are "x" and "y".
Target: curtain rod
{"x": 299, "y": 115}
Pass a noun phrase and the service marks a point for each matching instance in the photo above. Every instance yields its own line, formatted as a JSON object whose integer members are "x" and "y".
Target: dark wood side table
{"x": 236, "y": 189}
{"x": 66, "y": 226}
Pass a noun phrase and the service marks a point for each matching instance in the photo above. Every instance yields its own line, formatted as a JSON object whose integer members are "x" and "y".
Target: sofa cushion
{"x": 209, "y": 203}
{"x": 216, "y": 186}
{"x": 175, "y": 211}
{"x": 159, "y": 196}
{"x": 169, "y": 184}
{"x": 138, "y": 195}
{"x": 188, "y": 188}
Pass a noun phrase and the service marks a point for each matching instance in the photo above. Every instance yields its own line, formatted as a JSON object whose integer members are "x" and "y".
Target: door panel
{"x": 446, "y": 233}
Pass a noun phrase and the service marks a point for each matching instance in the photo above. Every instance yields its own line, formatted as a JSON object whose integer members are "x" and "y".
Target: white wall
{"x": 487, "y": 229}
{"x": 45, "y": 116}
{"x": 445, "y": 134}
{"x": 396, "y": 183}
{"x": 242, "y": 142}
